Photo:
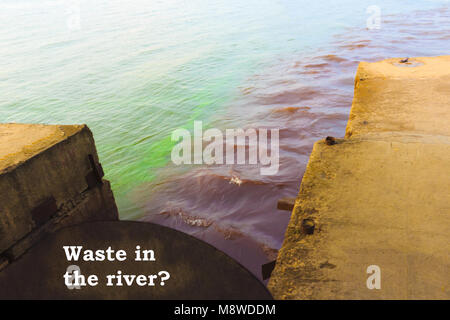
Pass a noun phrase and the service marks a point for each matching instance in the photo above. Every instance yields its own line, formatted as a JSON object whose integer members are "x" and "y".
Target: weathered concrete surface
{"x": 19, "y": 141}
{"x": 49, "y": 177}
{"x": 378, "y": 197}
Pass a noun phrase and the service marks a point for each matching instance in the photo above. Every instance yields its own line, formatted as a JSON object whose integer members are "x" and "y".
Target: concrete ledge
{"x": 378, "y": 197}
{"x": 394, "y": 97}
{"x": 19, "y": 141}
{"x": 50, "y": 177}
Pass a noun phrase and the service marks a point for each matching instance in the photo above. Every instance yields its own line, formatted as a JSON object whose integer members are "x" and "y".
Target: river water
{"x": 136, "y": 70}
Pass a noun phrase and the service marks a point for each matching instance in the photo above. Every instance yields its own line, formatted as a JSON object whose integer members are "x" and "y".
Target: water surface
{"x": 136, "y": 70}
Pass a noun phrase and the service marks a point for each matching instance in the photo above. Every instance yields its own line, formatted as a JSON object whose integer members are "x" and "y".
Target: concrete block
{"x": 378, "y": 197}
{"x": 44, "y": 169}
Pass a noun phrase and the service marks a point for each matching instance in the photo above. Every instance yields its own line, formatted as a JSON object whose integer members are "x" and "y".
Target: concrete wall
{"x": 50, "y": 177}
{"x": 380, "y": 196}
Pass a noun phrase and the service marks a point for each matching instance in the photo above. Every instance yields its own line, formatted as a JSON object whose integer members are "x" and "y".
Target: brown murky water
{"x": 307, "y": 98}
